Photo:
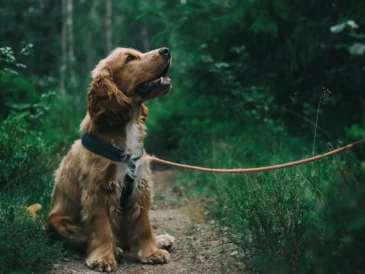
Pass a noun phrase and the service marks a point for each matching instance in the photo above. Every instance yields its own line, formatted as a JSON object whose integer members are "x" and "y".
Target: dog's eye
{"x": 130, "y": 58}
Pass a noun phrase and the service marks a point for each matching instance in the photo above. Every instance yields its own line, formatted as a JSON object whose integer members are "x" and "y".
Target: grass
{"x": 32, "y": 143}
{"x": 25, "y": 247}
{"x": 285, "y": 220}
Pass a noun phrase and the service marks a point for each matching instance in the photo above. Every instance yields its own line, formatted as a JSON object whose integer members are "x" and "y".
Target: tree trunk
{"x": 145, "y": 40}
{"x": 70, "y": 47}
{"x": 89, "y": 52}
{"x": 108, "y": 26}
{"x": 91, "y": 30}
{"x": 64, "y": 48}
{"x": 362, "y": 101}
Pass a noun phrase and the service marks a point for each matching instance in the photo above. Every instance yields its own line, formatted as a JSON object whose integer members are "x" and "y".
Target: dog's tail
{"x": 33, "y": 209}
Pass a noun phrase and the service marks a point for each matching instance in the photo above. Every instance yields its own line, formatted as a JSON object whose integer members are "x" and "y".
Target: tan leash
{"x": 256, "y": 169}
{"x": 33, "y": 209}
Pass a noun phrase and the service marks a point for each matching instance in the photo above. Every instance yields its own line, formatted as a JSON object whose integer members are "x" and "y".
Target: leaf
{"x": 338, "y": 28}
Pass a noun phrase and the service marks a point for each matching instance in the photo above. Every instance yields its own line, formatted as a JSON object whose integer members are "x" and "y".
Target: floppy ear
{"x": 105, "y": 99}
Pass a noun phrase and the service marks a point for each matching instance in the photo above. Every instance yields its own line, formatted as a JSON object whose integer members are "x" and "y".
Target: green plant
{"x": 31, "y": 132}
{"x": 306, "y": 219}
{"x": 24, "y": 246}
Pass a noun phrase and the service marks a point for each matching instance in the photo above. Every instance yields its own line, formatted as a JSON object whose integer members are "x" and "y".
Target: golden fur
{"x": 87, "y": 194}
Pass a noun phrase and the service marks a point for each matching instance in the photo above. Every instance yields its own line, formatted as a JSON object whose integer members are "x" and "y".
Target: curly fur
{"x": 85, "y": 207}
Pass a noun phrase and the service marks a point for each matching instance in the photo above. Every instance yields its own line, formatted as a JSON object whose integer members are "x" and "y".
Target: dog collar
{"x": 109, "y": 151}
{"x": 118, "y": 155}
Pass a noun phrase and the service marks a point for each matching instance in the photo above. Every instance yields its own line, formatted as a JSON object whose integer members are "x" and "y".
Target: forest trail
{"x": 197, "y": 248}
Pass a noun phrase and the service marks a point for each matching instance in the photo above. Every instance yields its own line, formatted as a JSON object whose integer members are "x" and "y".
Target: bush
{"x": 23, "y": 156}
{"x": 24, "y": 246}
{"x": 334, "y": 239}
{"x": 34, "y": 129}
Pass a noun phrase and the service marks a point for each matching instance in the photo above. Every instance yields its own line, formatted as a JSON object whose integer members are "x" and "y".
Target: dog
{"x": 103, "y": 188}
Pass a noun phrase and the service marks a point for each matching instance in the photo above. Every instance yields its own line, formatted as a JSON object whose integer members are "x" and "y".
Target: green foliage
{"x": 251, "y": 76}
{"x": 337, "y": 222}
{"x": 31, "y": 133}
{"x": 307, "y": 219}
{"x": 250, "y": 79}
{"x": 285, "y": 49}
{"x": 23, "y": 156}
{"x": 24, "y": 246}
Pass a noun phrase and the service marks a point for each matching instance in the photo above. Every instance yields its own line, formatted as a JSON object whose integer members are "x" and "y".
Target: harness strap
{"x": 117, "y": 155}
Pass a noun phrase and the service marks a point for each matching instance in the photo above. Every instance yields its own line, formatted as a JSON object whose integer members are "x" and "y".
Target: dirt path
{"x": 197, "y": 249}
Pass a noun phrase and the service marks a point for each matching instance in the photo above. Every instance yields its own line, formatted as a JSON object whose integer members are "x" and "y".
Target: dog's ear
{"x": 104, "y": 97}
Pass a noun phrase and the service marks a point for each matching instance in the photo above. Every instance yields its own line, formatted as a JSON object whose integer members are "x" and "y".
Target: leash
{"x": 256, "y": 169}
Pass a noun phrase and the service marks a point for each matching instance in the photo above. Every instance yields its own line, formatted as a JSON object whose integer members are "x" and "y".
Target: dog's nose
{"x": 165, "y": 51}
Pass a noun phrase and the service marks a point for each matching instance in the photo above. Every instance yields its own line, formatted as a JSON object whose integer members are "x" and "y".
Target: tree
{"x": 63, "y": 66}
{"x": 70, "y": 44}
{"x": 108, "y": 26}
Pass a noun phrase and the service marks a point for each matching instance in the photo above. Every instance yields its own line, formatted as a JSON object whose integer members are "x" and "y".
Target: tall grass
{"x": 307, "y": 219}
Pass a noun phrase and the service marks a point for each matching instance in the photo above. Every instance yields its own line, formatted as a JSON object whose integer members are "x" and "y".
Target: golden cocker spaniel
{"x": 103, "y": 187}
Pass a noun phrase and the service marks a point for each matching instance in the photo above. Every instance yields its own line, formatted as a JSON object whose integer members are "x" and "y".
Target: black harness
{"x": 117, "y": 155}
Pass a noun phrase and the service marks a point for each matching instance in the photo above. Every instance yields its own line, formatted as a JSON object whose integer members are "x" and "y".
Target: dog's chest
{"x": 127, "y": 172}
{"x": 127, "y": 179}
{"x": 131, "y": 184}
{"x": 133, "y": 142}
{"x": 123, "y": 170}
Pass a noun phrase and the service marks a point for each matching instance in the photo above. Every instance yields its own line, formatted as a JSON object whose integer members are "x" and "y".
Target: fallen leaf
{"x": 33, "y": 209}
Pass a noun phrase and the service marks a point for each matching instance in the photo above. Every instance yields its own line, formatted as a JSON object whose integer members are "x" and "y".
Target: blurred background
{"x": 255, "y": 82}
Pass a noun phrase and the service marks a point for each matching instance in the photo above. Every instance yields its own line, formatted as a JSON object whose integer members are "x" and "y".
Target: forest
{"x": 255, "y": 83}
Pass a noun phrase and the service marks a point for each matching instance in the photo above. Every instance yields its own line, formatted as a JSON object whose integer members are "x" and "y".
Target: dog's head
{"x": 128, "y": 77}
{"x": 140, "y": 76}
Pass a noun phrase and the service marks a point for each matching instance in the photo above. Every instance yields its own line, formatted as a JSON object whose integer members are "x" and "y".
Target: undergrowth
{"x": 36, "y": 125}
{"x": 307, "y": 219}
{"x": 25, "y": 247}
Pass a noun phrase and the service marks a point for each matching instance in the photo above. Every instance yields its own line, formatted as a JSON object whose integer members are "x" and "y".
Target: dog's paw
{"x": 118, "y": 254}
{"x": 102, "y": 264}
{"x": 164, "y": 241}
{"x": 158, "y": 256}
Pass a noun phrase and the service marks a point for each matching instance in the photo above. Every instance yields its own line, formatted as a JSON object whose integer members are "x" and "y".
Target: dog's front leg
{"x": 100, "y": 238}
{"x": 148, "y": 252}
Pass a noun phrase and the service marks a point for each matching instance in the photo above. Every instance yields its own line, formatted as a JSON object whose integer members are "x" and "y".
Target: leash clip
{"x": 125, "y": 157}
